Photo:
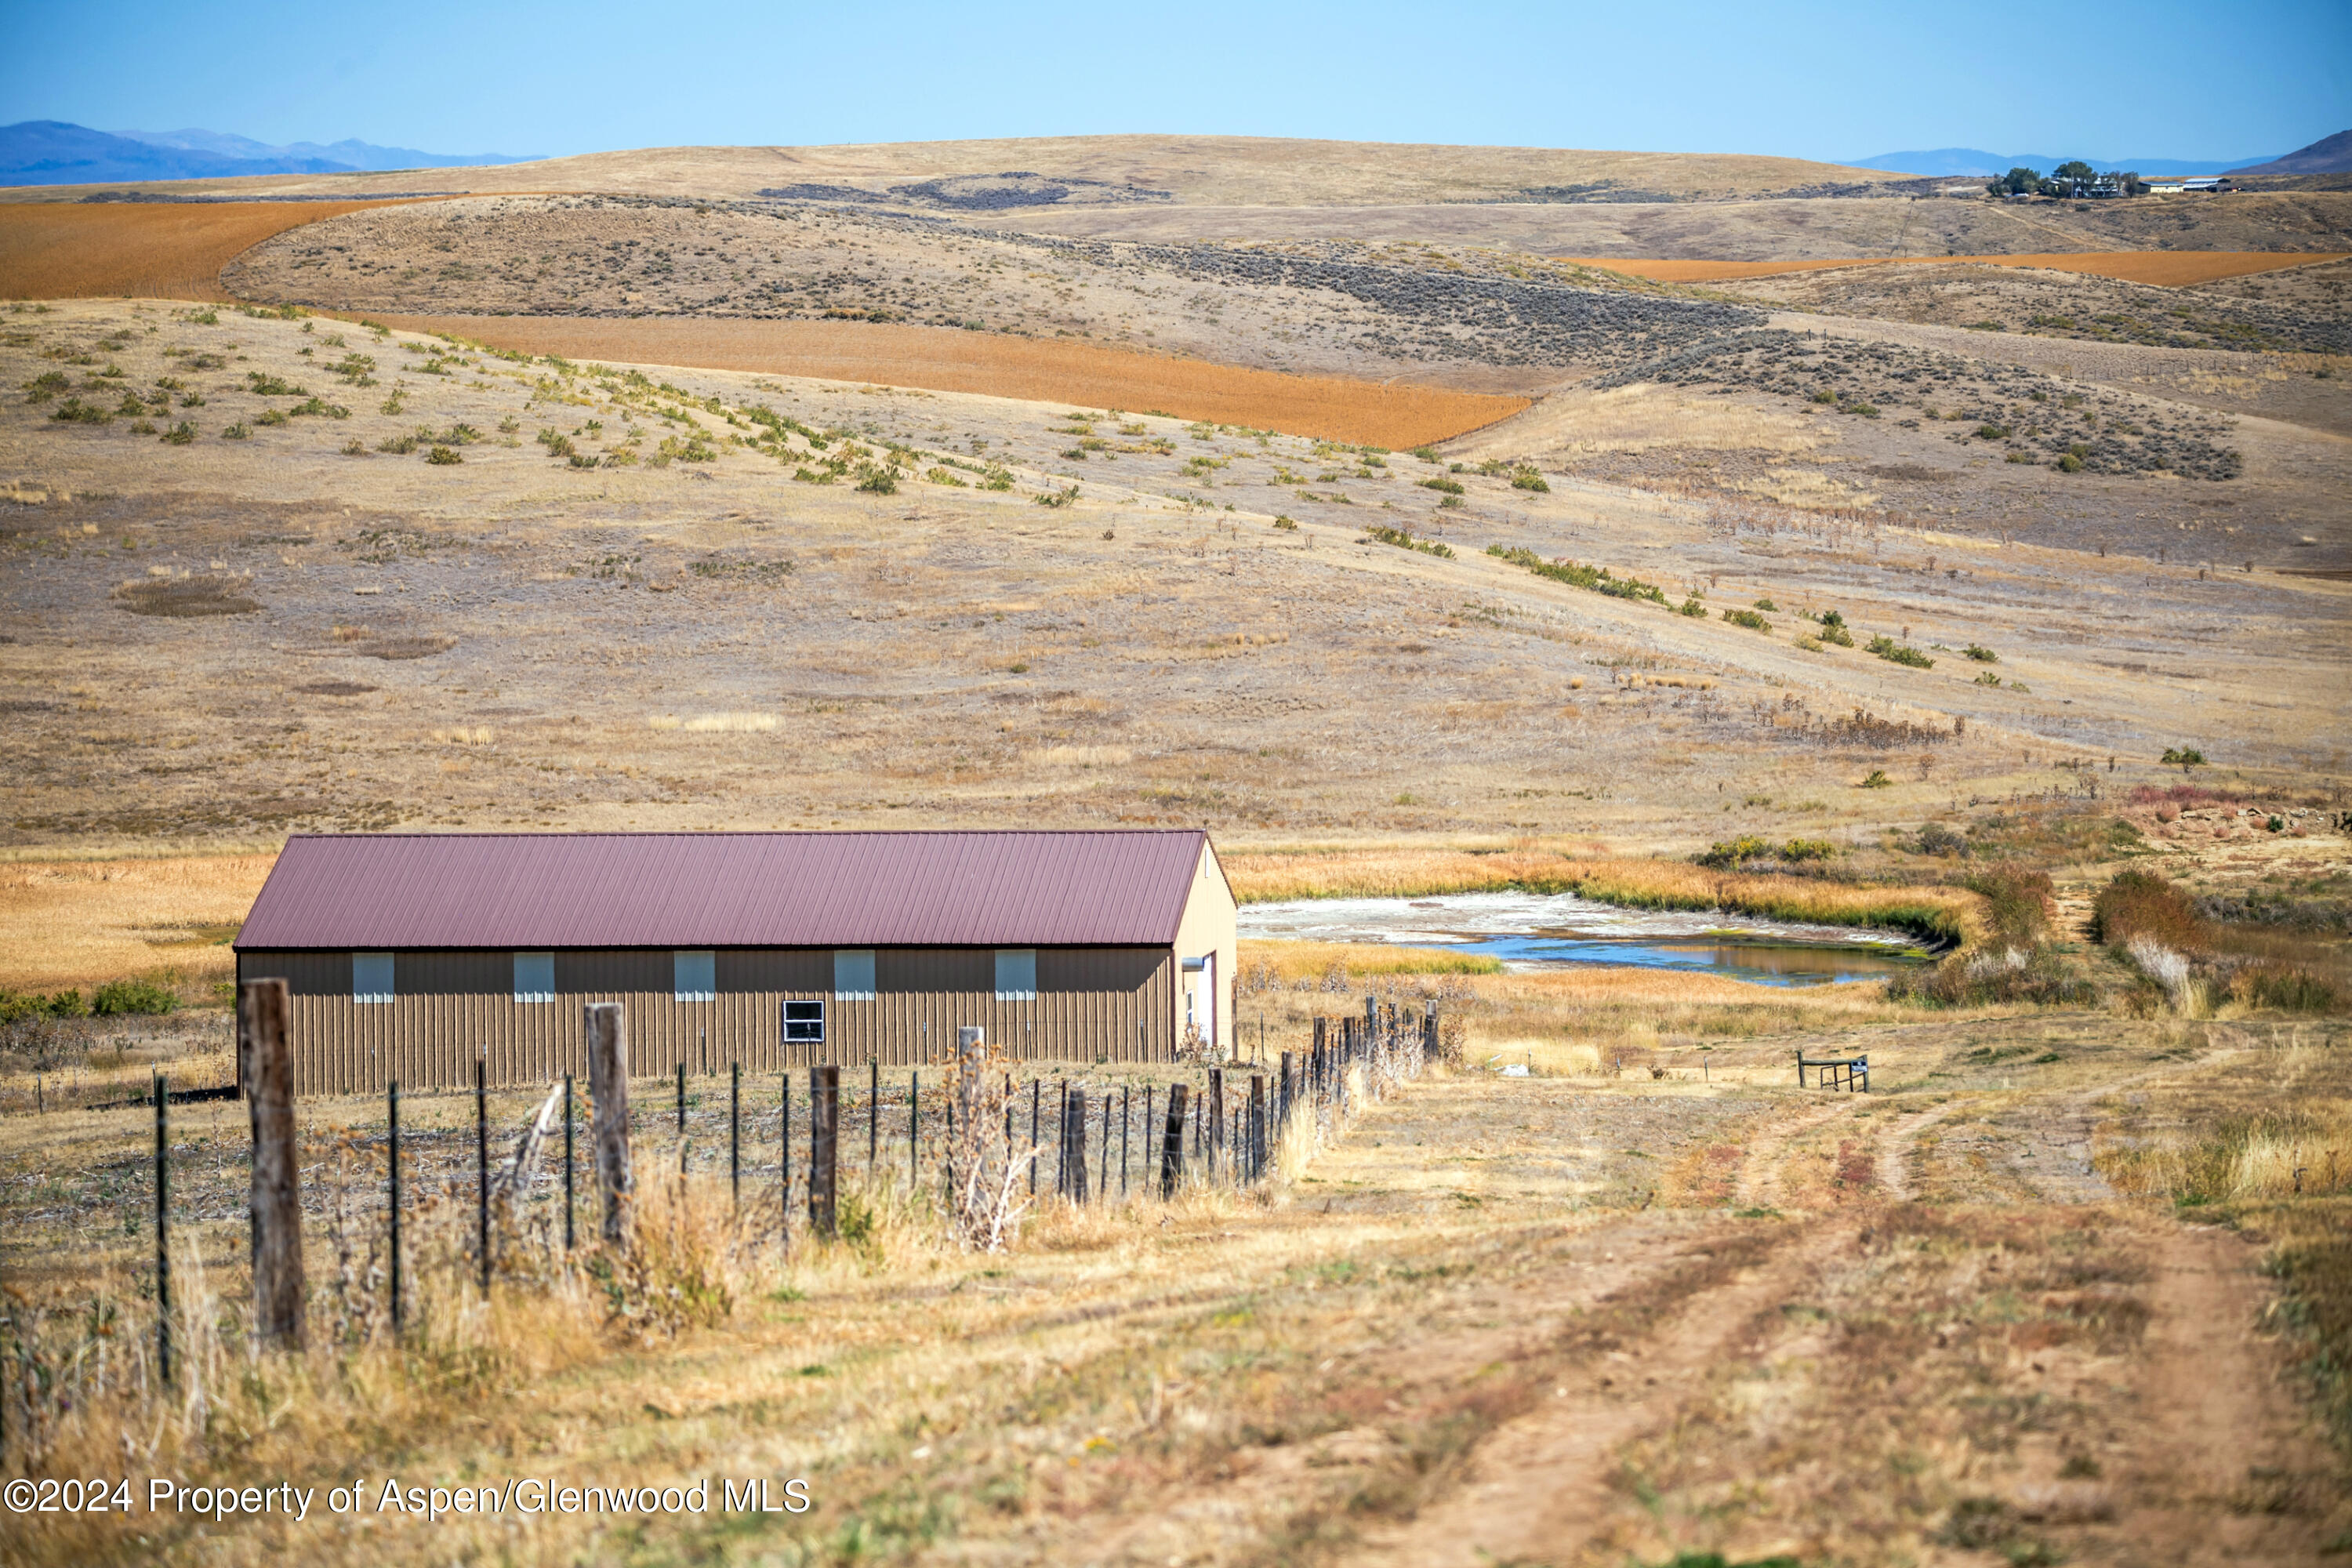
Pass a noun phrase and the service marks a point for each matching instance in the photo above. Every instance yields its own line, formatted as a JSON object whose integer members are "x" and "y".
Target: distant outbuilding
{"x": 408, "y": 955}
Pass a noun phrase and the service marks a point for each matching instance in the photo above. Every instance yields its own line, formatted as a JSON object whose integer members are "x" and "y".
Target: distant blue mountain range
{"x": 55, "y": 152}
{"x": 1956, "y": 162}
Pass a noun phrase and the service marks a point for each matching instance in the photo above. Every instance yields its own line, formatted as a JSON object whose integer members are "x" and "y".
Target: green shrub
{"x": 237, "y": 432}
{"x": 1449, "y": 486}
{"x": 2184, "y": 758}
{"x": 996, "y": 477}
{"x": 1287, "y": 524}
{"x": 1426, "y": 454}
{"x": 1988, "y": 678}
{"x": 1729, "y": 854}
{"x": 1403, "y": 539}
{"x": 263, "y": 384}
{"x": 179, "y": 435}
{"x": 443, "y": 457}
{"x": 1599, "y": 579}
{"x": 117, "y": 998}
{"x": 1877, "y": 780}
{"x": 1748, "y": 618}
{"x": 1766, "y": 603}
{"x": 398, "y": 446}
{"x": 1056, "y": 499}
{"x": 320, "y": 405}
{"x": 1528, "y": 479}
{"x": 1803, "y": 849}
{"x": 1691, "y": 606}
{"x": 878, "y": 479}
{"x": 74, "y": 411}
{"x": 1888, "y": 649}
{"x": 271, "y": 416}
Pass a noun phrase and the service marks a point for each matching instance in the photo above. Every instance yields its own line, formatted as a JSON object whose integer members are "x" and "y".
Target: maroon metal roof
{"x": 543, "y": 891}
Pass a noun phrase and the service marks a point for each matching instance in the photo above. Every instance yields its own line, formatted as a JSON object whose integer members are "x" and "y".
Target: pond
{"x": 1546, "y": 930}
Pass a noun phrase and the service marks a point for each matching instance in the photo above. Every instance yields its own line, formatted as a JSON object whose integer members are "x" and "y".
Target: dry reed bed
{"x": 945, "y": 359}
{"x": 72, "y": 250}
{"x": 77, "y": 922}
{"x": 2165, "y": 268}
{"x": 1946, "y": 915}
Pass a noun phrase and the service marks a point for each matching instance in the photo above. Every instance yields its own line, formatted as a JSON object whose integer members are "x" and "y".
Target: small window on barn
{"x": 853, "y": 974}
{"x": 696, "y": 977}
{"x": 370, "y": 977}
{"x": 804, "y": 1021}
{"x": 534, "y": 978}
{"x": 1016, "y": 974}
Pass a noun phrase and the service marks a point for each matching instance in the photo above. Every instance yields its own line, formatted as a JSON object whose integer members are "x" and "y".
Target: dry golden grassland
{"x": 79, "y": 922}
{"x": 57, "y": 250}
{"x": 2165, "y": 268}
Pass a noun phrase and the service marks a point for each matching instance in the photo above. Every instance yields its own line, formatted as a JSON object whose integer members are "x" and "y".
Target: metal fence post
{"x": 163, "y": 1231}
{"x": 392, "y": 1123}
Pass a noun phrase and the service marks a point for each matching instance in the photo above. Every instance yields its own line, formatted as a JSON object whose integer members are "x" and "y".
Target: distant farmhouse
{"x": 408, "y": 956}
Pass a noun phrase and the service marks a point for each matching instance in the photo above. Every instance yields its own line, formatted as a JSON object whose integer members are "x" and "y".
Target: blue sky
{"x": 1823, "y": 81}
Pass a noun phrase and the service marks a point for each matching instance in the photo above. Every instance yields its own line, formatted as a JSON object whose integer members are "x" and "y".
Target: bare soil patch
{"x": 70, "y": 250}
{"x": 946, "y": 360}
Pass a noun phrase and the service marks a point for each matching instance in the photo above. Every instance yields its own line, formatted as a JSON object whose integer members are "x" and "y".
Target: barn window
{"x": 370, "y": 977}
{"x": 534, "y": 978}
{"x": 853, "y": 974}
{"x": 804, "y": 1021}
{"x": 696, "y": 977}
{"x": 1016, "y": 974}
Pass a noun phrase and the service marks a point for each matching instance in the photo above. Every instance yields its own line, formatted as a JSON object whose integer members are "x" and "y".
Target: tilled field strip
{"x": 2169, "y": 269}
{"x": 72, "y": 250}
{"x": 943, "y": 359}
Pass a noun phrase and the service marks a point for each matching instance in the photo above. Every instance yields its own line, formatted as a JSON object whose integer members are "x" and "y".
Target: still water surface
{"x": 1545, "y": 931}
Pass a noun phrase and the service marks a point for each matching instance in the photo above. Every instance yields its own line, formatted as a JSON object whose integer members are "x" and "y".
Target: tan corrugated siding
{"x": 1116, "y": 1002}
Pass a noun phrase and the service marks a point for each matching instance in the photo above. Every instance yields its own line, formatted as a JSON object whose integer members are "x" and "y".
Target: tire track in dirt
{"x": 1539, "y": 1486}
{"x": 2225, "y": 1474}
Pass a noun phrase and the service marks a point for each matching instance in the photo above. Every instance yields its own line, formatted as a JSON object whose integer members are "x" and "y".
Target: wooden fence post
{"x": 874, "y": 1122}
{"x": 915, "y": 1128}
{"x": 824, "y": 1127}
{"x": 162, "y": 1232}
{"x": 784, "y": 1164}
{"x": 1102, "y": 1182}
{"x": 1126, "y": 1104}
{"x": 681, "y": 1115}
{"x": 1036, "y": 1102}
{"x": 1258, "y": 1126}
{"x": 1171, "y": 1147}
{"x": 608, "y": 1087}
{"x": 267, "y": 1070}
{"x": 567, "y": 1162}
{"x": 1217, "y": 1164}
{"x": 1074, "y": 1145}
{"x": 735, "y": 1131}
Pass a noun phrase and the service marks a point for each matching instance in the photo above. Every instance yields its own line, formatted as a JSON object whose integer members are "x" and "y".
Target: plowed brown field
{"x": 71, "y": 250}
{"x": 2167, "y": 268}
{"x": 943, "y": 359}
